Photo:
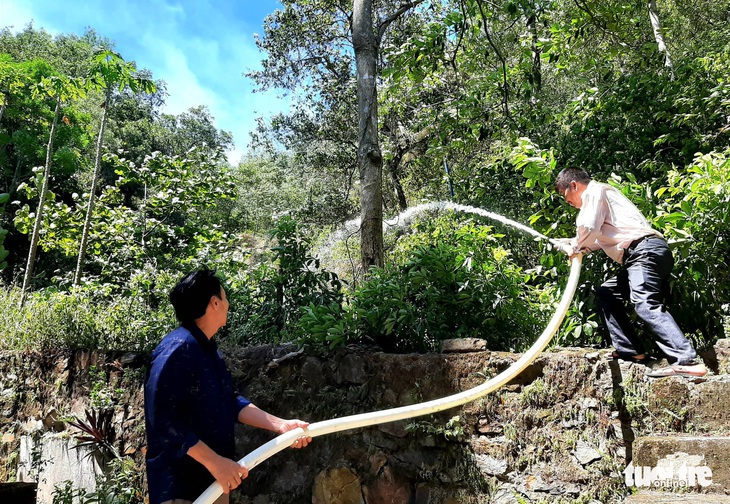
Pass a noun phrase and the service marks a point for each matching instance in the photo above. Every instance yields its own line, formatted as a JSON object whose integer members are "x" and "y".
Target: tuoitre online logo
{"x": 669, "y": 474}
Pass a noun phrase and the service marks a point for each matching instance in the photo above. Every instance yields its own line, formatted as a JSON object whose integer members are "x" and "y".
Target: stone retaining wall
{"x": 563, "y": 431}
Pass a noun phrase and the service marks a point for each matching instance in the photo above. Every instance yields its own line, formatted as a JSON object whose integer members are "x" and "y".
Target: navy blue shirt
{"x": 189, "y": 397}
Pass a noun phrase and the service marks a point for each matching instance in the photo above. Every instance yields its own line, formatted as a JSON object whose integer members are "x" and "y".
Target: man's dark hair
{"x": 191, "y": 295}
{"x": 568, "y": 175}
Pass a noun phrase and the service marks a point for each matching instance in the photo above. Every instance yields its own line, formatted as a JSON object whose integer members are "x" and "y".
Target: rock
{"x": 18, "y": 492}
{"x": 388, "y": 488}
{"x": 337, "y": 486}
{"x": 32, "y": 426}
{"x": 128, "y": 358}
{"x": 489, "y": 428}
{"x": 572, "y": 424}
{"x": 460, "y": 345}
{"x": 423, "y": 493}
{"x": 592, "y": 356}
{"x": 312, "y": 372}
{"x": 668, "y": 394}
{"x": 536, "y": 484}
{"x": 506, "y": 494}
{"x": 351, "y": 368}
{"x": 723, "y": 343}
{"x": 585, "y": 453}
{"x": 295, "y": 479}
{"x": 694, "y": 451}
{"x": 709, "y": 406}
{"x": 589, "y": 403}
{"x": 377, "y": 462}
{"x": 571, "y": 490}
{"x": 654, "y": 497}
{"x": 490, "y": 465}
{"x": 51, "y": 421}
{"x": 396, "y": 429}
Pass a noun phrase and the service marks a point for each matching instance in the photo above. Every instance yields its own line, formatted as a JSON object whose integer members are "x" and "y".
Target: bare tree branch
{"x": 401, "y": 10}
{"x": 501, "y": 59}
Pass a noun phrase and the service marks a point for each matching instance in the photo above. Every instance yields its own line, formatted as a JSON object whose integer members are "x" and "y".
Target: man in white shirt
{"x": 608, "y": 220}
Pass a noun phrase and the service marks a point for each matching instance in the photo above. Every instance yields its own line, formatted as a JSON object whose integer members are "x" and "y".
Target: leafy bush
{"x": 268, "y": 303}
{"x": 465, "y": 285}
{"x": 695, "y": 208}
{"x": 154, "y": 218}
{"x": 4, "y": 197}
{"x": 81, "y": 318}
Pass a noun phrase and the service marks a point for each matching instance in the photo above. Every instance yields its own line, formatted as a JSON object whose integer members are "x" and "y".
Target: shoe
{"x": 689, "y": 371}
{"x": 631, "y": 358}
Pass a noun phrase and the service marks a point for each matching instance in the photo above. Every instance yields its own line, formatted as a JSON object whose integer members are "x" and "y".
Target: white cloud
{"x": 17, "y": 15}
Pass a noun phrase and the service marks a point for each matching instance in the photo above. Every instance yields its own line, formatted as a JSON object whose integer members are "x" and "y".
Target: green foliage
{"x": 102, "y": 396}
{"x": 690, "y": 207}
{"x": 453, "y": 430}
{"x": 446, "y": 281}
{"x": 269, "y": 186}
{"x": 694, "y": 208}
{"x": 163, "y": 226}
{"x": 121, "y": 483}
{"x": 537, "y": 395}
{"x": 109, "y": 70}
{"x": 327, "y": 325}
{"x": 644, "y": 123}
{"x": 270, "y": 306}
{"x": 98, "y": 432}
{"x": 500, "y": 95}
{"x": 4, "y": 197}
{"x": 88, "y": 317}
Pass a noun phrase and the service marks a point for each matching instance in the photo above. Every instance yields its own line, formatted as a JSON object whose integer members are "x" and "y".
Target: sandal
{"x": 630, "y": 358}
{"x": 692, "y": 371}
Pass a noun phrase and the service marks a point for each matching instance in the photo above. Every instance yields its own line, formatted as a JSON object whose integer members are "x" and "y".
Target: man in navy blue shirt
{"x": 190, "y": 406}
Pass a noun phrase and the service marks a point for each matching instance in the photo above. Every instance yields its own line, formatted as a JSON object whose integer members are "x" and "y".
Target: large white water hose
{"x": 391, "y": 415}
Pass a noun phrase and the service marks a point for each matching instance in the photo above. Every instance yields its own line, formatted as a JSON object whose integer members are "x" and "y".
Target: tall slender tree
{"x": 656, "y": 25}
{"x": 109, "y": 72}
{"x": 4, "y": 197}
{"x": 61, "y": 89}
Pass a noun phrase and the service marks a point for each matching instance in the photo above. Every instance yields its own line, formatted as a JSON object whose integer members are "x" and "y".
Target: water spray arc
{"x": 285, "y": 440}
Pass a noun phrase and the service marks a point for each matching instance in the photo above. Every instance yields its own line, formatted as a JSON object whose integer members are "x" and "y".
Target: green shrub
{"x": 81, "y": 318}
{"x": 441, "y": 293}
{"x": 465, "y": 285}
{"x": 268, "y": 303}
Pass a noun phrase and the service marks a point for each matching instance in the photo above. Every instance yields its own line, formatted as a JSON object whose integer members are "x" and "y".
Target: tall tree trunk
{"x": 16, "y": 176}
{"x": 656, "y": 25}
{"x": 536, "y": 57}
{"x": 92, "y": 191}
{"x": 391, "y": 168}
{"x": 369, "y": 157}
{"x": 41, "y": 202}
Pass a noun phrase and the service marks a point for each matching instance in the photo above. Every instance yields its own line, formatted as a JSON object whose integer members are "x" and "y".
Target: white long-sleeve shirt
{"x": 608, "y": 220}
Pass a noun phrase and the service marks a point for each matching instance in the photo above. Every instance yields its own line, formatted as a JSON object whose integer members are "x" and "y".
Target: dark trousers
{"x": 647, "y": 265}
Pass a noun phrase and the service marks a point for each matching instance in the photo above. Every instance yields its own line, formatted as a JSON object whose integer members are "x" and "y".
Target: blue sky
{"x": 200, "y": 48}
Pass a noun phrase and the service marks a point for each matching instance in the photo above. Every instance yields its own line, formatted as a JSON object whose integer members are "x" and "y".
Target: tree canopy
{"x": 394, "y": 104}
